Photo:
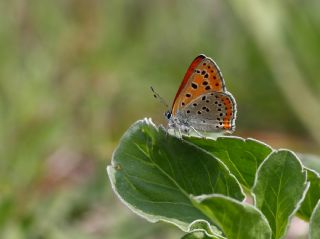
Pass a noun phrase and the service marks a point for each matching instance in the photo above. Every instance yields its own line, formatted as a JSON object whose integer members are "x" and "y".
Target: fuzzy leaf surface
{"x": 279, "y": 188}
{"x": 235, "y": 219}
{"x": 242, "y": 156}
{"x": 154, "y": 174}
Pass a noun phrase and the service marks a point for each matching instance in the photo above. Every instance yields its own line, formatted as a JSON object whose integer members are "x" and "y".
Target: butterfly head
{"x": 168, "y": 114}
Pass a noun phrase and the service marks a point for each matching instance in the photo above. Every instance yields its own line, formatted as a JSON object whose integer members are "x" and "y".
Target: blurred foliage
{"x": 75, "y": 74}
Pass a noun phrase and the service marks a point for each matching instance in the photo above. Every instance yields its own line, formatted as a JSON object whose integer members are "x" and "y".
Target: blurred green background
{"x": 74, "y": 75}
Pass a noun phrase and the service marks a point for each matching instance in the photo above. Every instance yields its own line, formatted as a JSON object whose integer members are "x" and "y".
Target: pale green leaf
{"x": 279, "y": 188}
{"x": 314, "y": 231}
{"x": 201, "y": 229}
{"x": 312, "y": 196}
{"x": 234, "y": 218}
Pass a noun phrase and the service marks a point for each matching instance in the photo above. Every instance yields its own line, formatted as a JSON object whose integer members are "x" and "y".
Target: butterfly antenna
{"x": 157, "y": 96}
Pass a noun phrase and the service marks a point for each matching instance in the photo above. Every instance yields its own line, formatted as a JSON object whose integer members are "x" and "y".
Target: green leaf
{"x": 312, "y": 197}
{"x": 314, "y": 230}
{"x": 279, "y": 188}
{"x": 235, "y": 219}
{"x": 311, "y": 161}
{"x": 154, "y": 173}
{"x": 241, "y": 156}
{"x": 199, "y": 234}
{"x": 201, "y": 229}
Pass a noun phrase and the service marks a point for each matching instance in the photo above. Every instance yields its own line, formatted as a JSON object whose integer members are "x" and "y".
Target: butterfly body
{"x": 202, "y": 102}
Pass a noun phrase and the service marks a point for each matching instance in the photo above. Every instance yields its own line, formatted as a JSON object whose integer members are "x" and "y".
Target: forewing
{"x": 202, "y": 76}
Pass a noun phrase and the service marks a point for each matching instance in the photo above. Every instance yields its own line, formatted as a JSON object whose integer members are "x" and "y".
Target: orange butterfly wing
{"x": 203, "y": 76}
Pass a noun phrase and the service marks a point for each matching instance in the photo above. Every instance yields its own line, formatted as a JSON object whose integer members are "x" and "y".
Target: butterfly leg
{"x": 198, "y": 133}
{"x": 176, "y": 133}
{"x": 167, "y": 132}
{"x": 180, "y": 134}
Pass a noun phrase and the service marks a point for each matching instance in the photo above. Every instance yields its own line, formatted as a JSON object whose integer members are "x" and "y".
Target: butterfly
{"x": 202, "y": 102}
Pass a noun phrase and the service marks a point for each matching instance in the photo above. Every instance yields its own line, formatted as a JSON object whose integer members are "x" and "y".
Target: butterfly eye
{"x": 168, "y": 114}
